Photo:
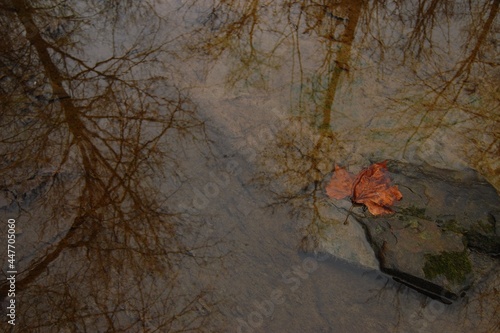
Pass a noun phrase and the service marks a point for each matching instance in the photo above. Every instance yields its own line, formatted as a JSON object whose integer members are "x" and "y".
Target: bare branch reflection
{"x": 434, "y": 64}
{"x": 436, "y": 58}
{"x": 87, "y": 152}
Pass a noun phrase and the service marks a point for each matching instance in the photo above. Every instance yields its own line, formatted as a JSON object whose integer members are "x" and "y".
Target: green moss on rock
{"x": 414, "y": 211}
{"x": 453, "y": 226}
{"x": 484, "y": 227}
{"x": 453, "y": 265}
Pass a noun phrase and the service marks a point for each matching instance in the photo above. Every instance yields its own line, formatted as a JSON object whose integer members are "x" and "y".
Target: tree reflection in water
{"x": 90, "y": 124}
{"x": 430, "y": 71}
{"x": 429, "y": 68}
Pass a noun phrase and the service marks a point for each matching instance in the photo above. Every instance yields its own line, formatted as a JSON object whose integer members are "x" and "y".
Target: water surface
{"x": 165, "y": 159}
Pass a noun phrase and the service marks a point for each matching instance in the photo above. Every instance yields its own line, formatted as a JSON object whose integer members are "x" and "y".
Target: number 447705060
{"x": 11, "y": 240}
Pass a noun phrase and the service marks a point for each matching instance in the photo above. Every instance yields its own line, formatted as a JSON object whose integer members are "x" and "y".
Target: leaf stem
{"x": 348, "y": 214}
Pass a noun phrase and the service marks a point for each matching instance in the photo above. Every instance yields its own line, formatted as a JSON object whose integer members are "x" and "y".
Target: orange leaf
{"x": 340, "y": 185}
{"x": 371, "y": 187}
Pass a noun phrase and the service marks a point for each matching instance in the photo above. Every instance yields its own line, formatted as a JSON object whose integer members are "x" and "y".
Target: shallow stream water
{"x": 164, "y": 160}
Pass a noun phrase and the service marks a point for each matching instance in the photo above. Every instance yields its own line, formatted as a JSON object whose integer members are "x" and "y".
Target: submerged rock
{"x": 418, "y": 253}
{"x": 443, "y": 215}
{"x": 345, "y": 242}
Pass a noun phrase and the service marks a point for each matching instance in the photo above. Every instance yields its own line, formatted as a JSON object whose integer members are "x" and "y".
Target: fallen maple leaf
{"x": 341, "y": 184}
{"x": 370, "y": 187}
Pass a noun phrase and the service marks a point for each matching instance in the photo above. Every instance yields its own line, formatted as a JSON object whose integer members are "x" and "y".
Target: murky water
{"x": 163, "y": 160}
